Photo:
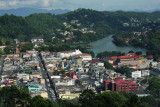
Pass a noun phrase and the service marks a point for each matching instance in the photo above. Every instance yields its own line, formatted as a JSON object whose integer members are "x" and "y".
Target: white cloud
{"x": 74, "y": 4}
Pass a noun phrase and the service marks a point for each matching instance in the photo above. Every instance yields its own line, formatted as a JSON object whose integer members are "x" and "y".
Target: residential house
{"x": 136, "y": 74}
{"x": 85, "y": 57}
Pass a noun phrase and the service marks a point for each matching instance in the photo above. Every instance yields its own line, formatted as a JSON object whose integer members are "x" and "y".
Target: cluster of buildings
{"x": 36, "y": 41}
{"x": 73, "y": 71}
{"x": 65, "y": 69}
{"x": 74, "y": 25}
{"x": 133, "y": 61}
{"x": 22, "y": 70}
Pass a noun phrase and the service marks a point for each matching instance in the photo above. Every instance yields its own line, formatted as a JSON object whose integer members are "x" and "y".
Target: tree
{"x": 154, "y": 87}
{"x": 39, "y": 101}
{"x": 1, "y": 53}
{"x": 11, "y": 96}
{"x": 133, "y": 101}
{"x": 86, "y": 98}
{"x": 55, "y": 72}
{"x": 8, "y": 50}
{"x": 131, "y": 51}
{"x": 108, "y": 65}
{"x": 90, "y": 52}
{"x": 117, "y": 61}
{"x": 123, "y": 70}
{"x": 139, "y": 53}
{"x": 105, "y": 100}
{"x": 25, "y": 47}
{"x": 63, "y": 71}
{"x": 69, "y": 103}
{"x": 150, "y": 100}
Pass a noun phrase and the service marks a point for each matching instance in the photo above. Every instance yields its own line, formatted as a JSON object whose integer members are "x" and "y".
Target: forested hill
{"x": 84, "y": 24}
{"x": 25, "y": 11}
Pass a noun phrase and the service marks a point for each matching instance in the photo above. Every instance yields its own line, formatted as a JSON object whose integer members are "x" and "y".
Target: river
{"x": 106, "y": 44}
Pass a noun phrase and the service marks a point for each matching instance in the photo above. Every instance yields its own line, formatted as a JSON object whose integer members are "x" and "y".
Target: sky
{"x": 101, "y": 5}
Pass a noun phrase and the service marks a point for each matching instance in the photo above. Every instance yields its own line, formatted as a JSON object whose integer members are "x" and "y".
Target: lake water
{"x": 106, "y": 44}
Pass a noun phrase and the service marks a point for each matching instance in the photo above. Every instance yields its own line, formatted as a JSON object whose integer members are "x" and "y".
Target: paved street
{"x": 1, "y": 68}
{"x": 49, "y": 85}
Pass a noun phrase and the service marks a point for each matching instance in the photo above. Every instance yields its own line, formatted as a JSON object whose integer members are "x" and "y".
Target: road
{"x": 2, "y": 65}
{"x": 49, "y": 84}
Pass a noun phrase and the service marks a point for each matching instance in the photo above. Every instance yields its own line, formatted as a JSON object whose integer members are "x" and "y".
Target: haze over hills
{"x": 27, "y": 11}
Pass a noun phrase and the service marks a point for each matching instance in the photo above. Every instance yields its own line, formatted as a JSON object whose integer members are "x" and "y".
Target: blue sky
{"x": 92, "y": 4}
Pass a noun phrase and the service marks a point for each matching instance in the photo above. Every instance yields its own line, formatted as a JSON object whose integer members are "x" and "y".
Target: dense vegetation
{"x": 46, "y": 25}
{"x": 154, "y": 86}
{"x": 108, "y": 54}
{"x": 13, "y": 97}
{"x": 89, "y": 25}
{"x": 146, "y": 39}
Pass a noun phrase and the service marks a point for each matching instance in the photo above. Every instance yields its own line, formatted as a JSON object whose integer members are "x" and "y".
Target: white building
{"x": 37, "y": 39}
{"x": 145, "y": 73}
{"x": 68, "y": 82}
{"x": 23, "y": 76}
{"x": 2, "y": 47}
{"x": 136, "y": 74}
{"x": 85, "y": 57}
{"x": 68, "y": 53}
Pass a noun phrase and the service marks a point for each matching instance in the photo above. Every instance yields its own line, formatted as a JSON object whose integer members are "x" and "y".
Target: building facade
{"x": 120, "y": 85}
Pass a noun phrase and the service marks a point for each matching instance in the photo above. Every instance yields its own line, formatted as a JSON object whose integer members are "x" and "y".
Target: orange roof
{"x": 114, "y": 57}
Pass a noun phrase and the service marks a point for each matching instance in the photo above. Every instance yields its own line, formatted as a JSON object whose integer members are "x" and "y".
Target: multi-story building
{"x": 119, "y": 85}
{"x": 68, "y": 53}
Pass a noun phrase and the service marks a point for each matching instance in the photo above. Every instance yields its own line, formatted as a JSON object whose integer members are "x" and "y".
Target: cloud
{"x": 7, "y": 4}
{"x": 74, "y": 4}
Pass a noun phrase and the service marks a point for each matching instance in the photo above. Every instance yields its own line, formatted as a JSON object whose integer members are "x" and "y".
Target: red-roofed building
{"x": 27, "y": 53}
{"x": 127, "y": 56}
{"x": 107, "y": 82}
{"x": 119, "y": 85}
{"x": 24, "y": 43}
{"x": 69, "y": 37}
{"x": 150, "y": 57}
{"x": 46, "y": 51}
{"x": 132, "y": 86}
{"x": 127, "y": 39}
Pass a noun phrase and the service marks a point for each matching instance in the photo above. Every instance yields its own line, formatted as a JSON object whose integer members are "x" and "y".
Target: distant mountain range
{"x": 27, "y": 11}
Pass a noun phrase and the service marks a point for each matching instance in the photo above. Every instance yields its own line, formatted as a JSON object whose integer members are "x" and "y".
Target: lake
{"x": 106, "y": 44}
